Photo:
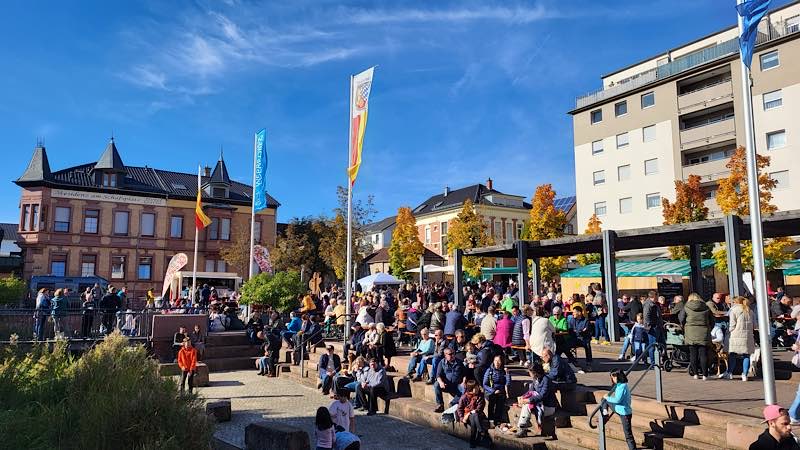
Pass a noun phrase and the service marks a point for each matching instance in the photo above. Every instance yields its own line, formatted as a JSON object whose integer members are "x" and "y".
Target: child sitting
{"x": 472, "y": 354}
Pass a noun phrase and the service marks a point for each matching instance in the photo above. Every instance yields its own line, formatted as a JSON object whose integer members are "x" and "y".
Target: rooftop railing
{"x": 682, "y": 64}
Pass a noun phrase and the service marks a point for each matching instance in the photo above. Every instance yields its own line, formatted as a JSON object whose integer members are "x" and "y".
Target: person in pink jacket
{"x": 505, "y": 327}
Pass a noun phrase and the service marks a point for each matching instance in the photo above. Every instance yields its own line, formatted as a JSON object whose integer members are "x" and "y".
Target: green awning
{"x": 791, "y": 267}
{"x": 639, "y": 269}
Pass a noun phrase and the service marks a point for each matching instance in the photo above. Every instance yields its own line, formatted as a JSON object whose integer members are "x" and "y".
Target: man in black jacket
{"x": 329, "y": 365}
{"x": 109, "y": 305}
{"x": 778, "y": 435}
{"x": 356, "y": 338}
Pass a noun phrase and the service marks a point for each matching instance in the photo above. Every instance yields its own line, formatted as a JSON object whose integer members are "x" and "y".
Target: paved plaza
{"x": 285, "y": 401}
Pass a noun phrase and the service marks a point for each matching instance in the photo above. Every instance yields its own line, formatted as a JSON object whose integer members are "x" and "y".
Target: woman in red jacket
{"x": 187, "y": 361}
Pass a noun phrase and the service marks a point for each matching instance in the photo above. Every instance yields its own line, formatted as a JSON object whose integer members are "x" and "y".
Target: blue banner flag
{"x": 751, "y": 12}
{"x": 260, "y": 171}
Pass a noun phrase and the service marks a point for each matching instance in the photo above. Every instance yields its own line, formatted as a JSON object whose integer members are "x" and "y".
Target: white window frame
{"x": 427, "y": 234}
{"x": 591, "y": 116}
{"x": 117, "y": 274}
{"x": 225, "y": 229}
{"x": 647, "y": 198}
{"x": 91, "y": 223}
{"x": 210, "y": 265}
{"x": 595, "y": 179}
{"x": 641, "y": 99}
{"x": 118, "y": 224}
{"x": 783, "y": 183}
{"x": 176, "y": 227}
{"x": 777, "y": 58}
{"x": 149, "y": 223}
{"x": 59, "y": 218}
{"x": 653, "y": 172}
{"x": 624, "y": 104}
{"x": 628, "y": 201}
{"x": 600, "y": 209}
{"x": 625, "y": 143}
{"x": 599, "y": 149}
{"x": 645, "y": 133}
{"x": 627, "y": 170}
{"x": 776, "y": 133}
{"x": 775, "y": 102}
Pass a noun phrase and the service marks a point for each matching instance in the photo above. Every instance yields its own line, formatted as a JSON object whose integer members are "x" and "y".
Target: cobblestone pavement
{"x": 280, "y": 399}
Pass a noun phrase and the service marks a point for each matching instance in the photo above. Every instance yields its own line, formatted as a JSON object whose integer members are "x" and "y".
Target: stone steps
{"x": 232, "y": 351}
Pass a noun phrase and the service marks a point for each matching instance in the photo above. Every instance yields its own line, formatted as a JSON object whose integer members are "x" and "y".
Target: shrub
{"x": 112, "y": 397}
{"x": 279, "y": 291}
{"x": 12, "y": 290}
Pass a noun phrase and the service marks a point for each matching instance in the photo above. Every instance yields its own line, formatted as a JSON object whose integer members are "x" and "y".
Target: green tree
{"x": 689, "y": 206}
{"x": 300, "y": 246}
{"x": 12, "y": 290}
{"x": 592, "y": 227}
{"x": 468, "y": 230}
{"x": 732, "y": 198}
{"x": 279, "y": 291}
{"x": 334, "y": 244}
{"x": 547, "y": 222}
{"x": 406, "y": 248}
{"x": 237, "y": 253}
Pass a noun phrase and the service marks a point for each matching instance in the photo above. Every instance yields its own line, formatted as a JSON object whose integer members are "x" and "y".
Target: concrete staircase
{"x": 230, "y": 350}
{"x": 656, "y": 425}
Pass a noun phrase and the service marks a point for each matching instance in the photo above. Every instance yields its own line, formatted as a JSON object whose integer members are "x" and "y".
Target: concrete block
{"x": 740, "y": 435}
{"x": 201, "y": 379}
{"x": 265, "y": 435}
{"x": 220, "y": 409}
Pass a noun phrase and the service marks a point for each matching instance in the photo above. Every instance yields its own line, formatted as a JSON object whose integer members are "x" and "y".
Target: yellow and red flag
{"x": 201, "y": 220}
{"x": 360, "y": 87}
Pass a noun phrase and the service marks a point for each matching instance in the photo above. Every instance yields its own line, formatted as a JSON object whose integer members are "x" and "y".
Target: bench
{"x": 201, "y": 378}
{"x": 164, "y": 328}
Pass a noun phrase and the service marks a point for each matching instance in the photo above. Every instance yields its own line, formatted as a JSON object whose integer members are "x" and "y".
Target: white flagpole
{"x": 251, "y": 268}
{"x": 196, "y": 236}
{"x": 348, "y": 266}
{"x": 756, "y": 236}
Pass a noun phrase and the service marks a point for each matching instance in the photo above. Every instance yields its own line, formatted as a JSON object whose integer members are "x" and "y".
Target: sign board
{"x": 670, "y": 285}
{"x": 103, "y": 197}
{"x": 175, "y": 264}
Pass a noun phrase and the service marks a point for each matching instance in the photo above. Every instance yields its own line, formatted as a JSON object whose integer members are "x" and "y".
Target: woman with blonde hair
{"x": 741, "y": 343}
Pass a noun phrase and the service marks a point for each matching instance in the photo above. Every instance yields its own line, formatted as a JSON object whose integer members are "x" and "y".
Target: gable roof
{"x": 110, "y": 159}
{"x": 456, "y": 198}
{"x": 382, "y": 256}
{"x": 8, "y": 231}
{"x": 377, "y": 227}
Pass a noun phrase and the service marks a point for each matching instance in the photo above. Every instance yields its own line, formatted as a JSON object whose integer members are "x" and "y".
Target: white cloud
{"x": 519, "y": 15}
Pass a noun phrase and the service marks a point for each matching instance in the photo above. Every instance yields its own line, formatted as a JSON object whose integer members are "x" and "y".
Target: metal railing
{"x": 655, "y": 365}
{"x": 682, "y": 64}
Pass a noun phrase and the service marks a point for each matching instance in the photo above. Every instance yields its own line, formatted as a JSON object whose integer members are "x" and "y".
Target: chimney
{"x": 446, "y": 190}
{"x": 489, "y": 184}
{"x": 206, "y": 171}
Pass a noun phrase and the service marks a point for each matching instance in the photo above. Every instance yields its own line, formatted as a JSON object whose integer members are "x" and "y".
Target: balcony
{"x": 706, "y": 97}
{"x": 707, "y": 171}
{"x": 713, "y": 132}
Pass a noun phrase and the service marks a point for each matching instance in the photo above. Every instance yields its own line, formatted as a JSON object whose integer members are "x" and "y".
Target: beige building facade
{"x": 680, "y": 113}
{"x": 125, "y": 223}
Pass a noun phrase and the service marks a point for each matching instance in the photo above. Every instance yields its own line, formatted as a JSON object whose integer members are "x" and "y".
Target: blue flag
{"x": 260, "y": 177}
{"x": 751, "y": 11}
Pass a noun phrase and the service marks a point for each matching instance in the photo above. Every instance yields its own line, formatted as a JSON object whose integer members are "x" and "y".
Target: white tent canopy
{"x": 432, "y": 268}
{"x": 378, "y": 279}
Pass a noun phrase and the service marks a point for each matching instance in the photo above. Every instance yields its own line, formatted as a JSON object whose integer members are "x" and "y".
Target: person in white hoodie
{"x": 541, "y": 336}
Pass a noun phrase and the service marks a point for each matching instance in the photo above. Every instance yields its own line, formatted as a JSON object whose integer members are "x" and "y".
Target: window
{"x": 257, "y": 232}
{"x": 109, "y": 180}
{"x": 509, "y": 231}
{"x": 26, "y": 218}
{"x": 597, "y": 116}
{"x": 600, "y": 208}
{"x": 148, "y": 226}
{"x": 427, "y": 234}
{"x": 653, "y": 200}
{"x": 776, "y": 139}
{"x": 444, "y": 228}
{"x": 58, "y": 265}
{"x": 769, "y": 60}
{"x": 793, "y": 24}
{"x": 225, "y": 229}
{"x": 622, "y": 140}
{"x": 145, "y": 267}
{"x": 88, "y": 265}
{"x": 648, "y": 99}
{"x": 599, "y": 177}
{"x": 782, "y": 179}
{"x": 498, "y": 230}
{"x": 625, "y": 205}
{"x": 176, "y": 227}
{"x": 213, "y": 229}
{"x": 35, "y": 223}
{"x": 117, "y": 267}
{"x": 519, "y": 230}
{"x": 90, "y": 220}
{"x": 221, "y": 265}
{"x": 61, "y": 222}
{"x": 597, "y": 147}
{"x": 210, "y": 264}
{"x": 121, "y": 222}
{"x": 773, "y": 99}
{"x": 621, "y": 108}
{"x": 219, "y": 192}
{"x": 651, "y": 166}
{"x": 649, "y": 133}
{"x": 375, "y": 238}
{"x": 624, "y": 172}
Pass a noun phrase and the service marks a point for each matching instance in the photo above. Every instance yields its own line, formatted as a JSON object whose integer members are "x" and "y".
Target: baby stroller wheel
{"x": 668, "y": 366}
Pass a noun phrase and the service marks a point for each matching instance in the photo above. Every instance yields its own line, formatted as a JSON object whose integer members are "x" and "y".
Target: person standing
{"x": 41, "y": 313}
{"x": 59, "y": 311}
{"x": 697, "y": 321}
{"x": 741, "y": 342}
{"x": 87, "y": 309}
{"x": 324, "y": 429}
{"x": 620, "y": 399}
{"x": 653, "y": 322}
{"x": 187, "y": 362}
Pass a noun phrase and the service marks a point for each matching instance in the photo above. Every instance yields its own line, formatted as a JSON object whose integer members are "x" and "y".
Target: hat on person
{"x": 772, "y": 412}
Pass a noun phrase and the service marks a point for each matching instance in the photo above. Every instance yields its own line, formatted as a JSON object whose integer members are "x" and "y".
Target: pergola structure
{"x": 730, "y": 229}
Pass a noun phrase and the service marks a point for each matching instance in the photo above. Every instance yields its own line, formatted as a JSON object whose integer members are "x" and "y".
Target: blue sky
{"x": 463, "y": 90}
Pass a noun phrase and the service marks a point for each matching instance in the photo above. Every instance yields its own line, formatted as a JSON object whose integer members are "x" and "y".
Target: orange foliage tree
{"x": 689, "y": 206}
{"x": 546, "y": 222}
{"x": 592, "y": 227}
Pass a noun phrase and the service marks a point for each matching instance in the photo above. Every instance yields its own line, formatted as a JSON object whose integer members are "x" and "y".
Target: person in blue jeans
{"x": 424, "y": 348}
{"x": 449, "y": 378}
{"x": 619, "y": 398}
{"x": 639, "y": 337}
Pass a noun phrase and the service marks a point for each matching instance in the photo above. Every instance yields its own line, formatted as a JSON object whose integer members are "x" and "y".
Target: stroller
{"x": 677, "y": 353}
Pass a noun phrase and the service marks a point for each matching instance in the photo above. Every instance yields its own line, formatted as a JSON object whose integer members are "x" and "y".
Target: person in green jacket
{"x": 619, "y": 397}
{"x": 697, "y": 322}
{"x": 507, "y": 304}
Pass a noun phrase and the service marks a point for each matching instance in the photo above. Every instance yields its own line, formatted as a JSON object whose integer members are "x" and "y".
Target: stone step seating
{"x": 230, "y": 350}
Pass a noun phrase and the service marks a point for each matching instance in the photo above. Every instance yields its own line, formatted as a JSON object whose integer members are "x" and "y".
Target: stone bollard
{"x": 220, "y": 409}
{"x": 266, "y": 435}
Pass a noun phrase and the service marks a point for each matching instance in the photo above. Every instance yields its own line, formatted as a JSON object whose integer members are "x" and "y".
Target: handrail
{"x": 305, "y": 339}
{"x": 657, "y": 347}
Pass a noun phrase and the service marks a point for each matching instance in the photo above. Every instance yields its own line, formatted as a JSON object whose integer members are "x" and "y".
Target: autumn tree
{"x": 334, "y": 245}
{"x": 236, "y": 254}
{"x": 406, "y": 248}
{"x": 468, "y": 230}
{"x": 299, "y": 247}
{"x": 689, "y": 206}
{"x": 592, "y": 227}
{"x": 546, "y": 222}
{"x": 732, "y": 198}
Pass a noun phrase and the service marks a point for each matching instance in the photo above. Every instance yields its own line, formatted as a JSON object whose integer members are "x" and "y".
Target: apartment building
{"x": 680, "y": 113}
{"x": 124, "y": 223}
